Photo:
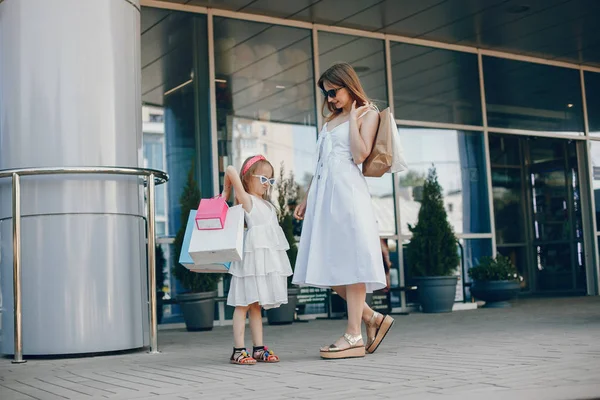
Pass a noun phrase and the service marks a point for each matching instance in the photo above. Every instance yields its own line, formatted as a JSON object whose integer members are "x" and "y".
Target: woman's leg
{"x": 239, "y": 326}
{"x": 367, "y": 312}
{"x": 355, "y": 299}
{"x": 355, "y": 296}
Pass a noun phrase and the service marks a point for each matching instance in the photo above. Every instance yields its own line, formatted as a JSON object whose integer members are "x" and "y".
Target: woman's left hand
{"x": 357, "y": 112}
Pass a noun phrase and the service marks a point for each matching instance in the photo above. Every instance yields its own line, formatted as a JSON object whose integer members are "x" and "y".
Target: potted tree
{"x": 495, "y": 281}
{"x": 198, "y": 303}
{"x": 287, "y": 197}
{"x": 432, "y": 251}
{"x": 160, "y": 282}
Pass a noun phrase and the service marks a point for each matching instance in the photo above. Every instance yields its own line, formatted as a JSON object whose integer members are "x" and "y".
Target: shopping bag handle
{"x": 220, "y": 196}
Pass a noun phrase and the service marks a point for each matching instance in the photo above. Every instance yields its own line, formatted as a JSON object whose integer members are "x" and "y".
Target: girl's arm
{"x": 232, "y": 179}
{"x": 362, "y": 135}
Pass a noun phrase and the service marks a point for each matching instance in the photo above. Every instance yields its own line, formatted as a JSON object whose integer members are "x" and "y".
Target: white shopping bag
{"x": 186, "y": 260}
{"x": 398, "y": 162}
{"x": 218, "y": 246}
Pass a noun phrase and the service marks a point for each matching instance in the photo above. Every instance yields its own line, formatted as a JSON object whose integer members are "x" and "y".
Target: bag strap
{"x": 372, "y": 107}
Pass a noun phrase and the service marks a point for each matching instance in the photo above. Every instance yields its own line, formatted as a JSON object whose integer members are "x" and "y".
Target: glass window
{"x": 508, "y": 189}
{"x": 592, "y": 95}
{"x": 521, "y": 95}
{"x": 595, "y": 156}
{"x": 265, "y": 96}
{"x": 366, "y": 55}
{"x": 471, "y": 251}
{"x": 174, "y": 58}
{"x": 154, "y": 152}
{"x": 435, "y": 85}
{"x": 382, "y": 198}
{"x": 459, "y": 158}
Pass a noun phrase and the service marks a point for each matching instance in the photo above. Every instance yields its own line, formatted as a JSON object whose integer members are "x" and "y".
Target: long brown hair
{"x": 245, "y": 178}
{"x": 342, "y": 75}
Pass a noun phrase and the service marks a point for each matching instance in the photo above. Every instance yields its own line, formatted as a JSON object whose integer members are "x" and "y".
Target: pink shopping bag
{"x": 211, "y": 213}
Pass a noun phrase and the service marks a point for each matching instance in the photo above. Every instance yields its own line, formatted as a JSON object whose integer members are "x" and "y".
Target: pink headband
{"x": 251, "y": 162}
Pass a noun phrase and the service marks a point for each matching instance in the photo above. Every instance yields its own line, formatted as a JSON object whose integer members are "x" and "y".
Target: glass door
{"x": 557, "y": 234}
{"x": 537, "y": 211}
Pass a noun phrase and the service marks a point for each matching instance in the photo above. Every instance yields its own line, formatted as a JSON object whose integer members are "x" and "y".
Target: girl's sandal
{"x": 263, "y": 354}
{"x": 241, "y": 357}
{"x": 380, "y": 331}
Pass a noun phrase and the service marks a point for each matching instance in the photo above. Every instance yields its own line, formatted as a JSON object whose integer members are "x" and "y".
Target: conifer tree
{"x": 192, "y": 281}
{"x": 432, "y": 251}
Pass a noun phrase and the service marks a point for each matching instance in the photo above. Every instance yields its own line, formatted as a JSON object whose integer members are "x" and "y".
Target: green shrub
{"x": 490, "y": 269}
{"x": 432, "y": 251}
{"x": 192, "y": 281}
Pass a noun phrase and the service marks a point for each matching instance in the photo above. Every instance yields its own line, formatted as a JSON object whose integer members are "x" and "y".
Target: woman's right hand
{"x": 300, "y": 211}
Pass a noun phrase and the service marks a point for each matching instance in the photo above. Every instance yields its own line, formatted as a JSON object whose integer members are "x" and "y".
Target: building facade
{"x": 513, "y": 138}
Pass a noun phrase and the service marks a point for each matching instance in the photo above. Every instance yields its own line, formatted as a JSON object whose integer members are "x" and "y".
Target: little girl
{"x": 260, "y": 279}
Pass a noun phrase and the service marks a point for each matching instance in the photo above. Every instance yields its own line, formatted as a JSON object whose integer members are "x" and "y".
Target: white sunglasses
{"x": 264, "y": 179}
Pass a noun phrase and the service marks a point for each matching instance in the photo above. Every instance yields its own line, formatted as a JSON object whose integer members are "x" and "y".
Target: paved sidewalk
{"x": 539, "y": 349}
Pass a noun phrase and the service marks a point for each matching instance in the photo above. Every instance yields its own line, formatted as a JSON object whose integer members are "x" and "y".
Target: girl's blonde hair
{"x": 342, "y": 75}
{"x": 245, "y": 177}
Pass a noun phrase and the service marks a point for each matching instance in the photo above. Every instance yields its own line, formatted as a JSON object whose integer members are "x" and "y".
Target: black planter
{"x": 496, "y": 294}
{"x": 159, "y": 306}
{"x": 198, "y": 310}
{"x": 436, "y": 293}
{"x": 285, "y": 313}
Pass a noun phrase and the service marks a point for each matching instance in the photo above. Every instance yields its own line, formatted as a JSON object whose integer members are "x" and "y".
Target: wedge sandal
{"x": 354, "y": 351}
{"x": 382, "y": 330}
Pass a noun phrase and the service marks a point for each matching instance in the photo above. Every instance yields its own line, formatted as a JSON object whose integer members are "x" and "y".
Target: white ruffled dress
{"x": 262, "y": 274}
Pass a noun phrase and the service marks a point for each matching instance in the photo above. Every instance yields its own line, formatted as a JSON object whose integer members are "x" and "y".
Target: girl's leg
{"x": 240, "y": 354}
{"x": 239, "y": 326}
{"x": 256, "y": 326}
{"x": 259, "y": 351}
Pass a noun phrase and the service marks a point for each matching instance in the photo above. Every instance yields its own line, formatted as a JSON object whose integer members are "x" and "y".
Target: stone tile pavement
{"x": 539, "y": 349}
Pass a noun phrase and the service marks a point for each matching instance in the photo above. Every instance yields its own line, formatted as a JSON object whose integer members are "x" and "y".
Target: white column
{"x": 70, "y": 96}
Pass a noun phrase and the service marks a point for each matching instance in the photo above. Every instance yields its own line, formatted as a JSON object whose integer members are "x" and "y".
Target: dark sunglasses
{"x": 331, "y": 92}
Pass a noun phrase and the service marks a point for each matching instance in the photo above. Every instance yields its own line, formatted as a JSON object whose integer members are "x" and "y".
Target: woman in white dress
{"x": 339, "y": 247}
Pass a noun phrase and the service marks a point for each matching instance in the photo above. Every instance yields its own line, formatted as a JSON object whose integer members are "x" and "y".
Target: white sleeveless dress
{"x": 262, "y": 274}
{"x": 340, "y": 239}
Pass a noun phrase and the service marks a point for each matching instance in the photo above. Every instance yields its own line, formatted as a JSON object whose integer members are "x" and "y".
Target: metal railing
{"x": 152, "y": 177}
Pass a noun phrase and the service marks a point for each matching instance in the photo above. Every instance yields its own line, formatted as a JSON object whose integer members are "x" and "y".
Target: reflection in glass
{"x": 435, "y": 85}
{"x": 508, "y": 205}
{"x": 518, "y": 256}
{"x": 592, "y": 95}
{"x": 265, "y": 96}
{"x": 459, "y": 158}
{"x": 174, "y": 58}
{"x": 530, "y": 96}
{"x": 364, "y": 54}
{"x": 153, "y": 129}
{"x": 171, "y": 312}
{"x": 553, "y": 263}
{"x": 595, "y": 156}
{"x": 537, "y": 210}
{"x": 471, "y": 251}
{"x": 382, "y": 198}
{"x": 550, "y": 197}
